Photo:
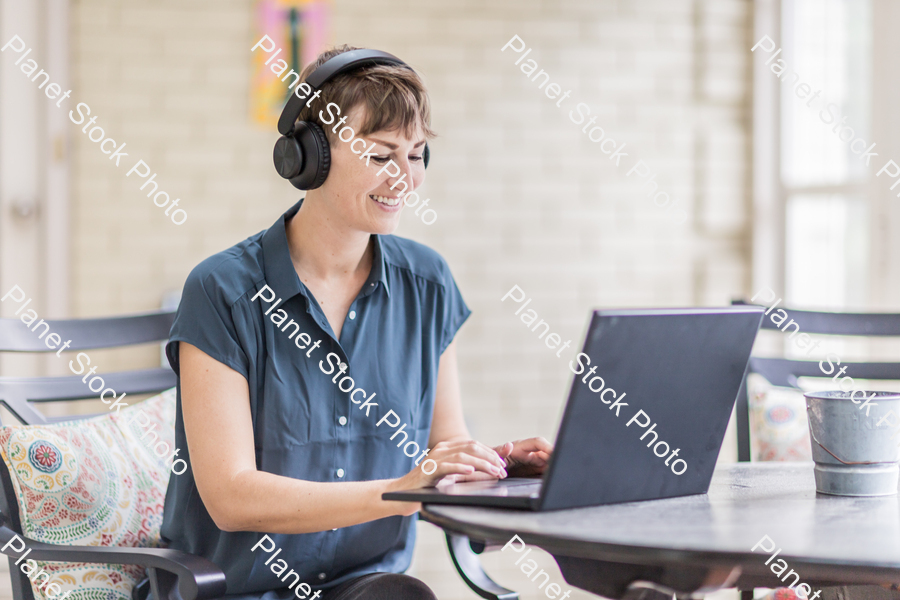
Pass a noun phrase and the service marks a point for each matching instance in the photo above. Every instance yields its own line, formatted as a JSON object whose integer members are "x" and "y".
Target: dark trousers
{"x": 374, "y": 586}
{"x": 381, "y": 586}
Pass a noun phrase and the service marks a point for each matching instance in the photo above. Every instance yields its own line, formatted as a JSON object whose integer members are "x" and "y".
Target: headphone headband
{"x": 346, "y": 61}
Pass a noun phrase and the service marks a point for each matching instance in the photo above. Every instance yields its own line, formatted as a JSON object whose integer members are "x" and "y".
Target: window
{"x": 827, "y": 43}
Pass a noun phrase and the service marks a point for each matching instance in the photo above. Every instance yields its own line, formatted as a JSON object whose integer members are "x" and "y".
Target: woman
{"x": 288, "y": 459}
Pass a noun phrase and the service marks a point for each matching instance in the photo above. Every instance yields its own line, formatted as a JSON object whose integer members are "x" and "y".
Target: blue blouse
{"x": 247, "y": 308}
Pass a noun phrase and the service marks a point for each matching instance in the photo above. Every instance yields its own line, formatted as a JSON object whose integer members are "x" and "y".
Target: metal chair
{"x": 172, "y": 575}
{"x": 464, "y": 553}
{"x": 785, "y": 372}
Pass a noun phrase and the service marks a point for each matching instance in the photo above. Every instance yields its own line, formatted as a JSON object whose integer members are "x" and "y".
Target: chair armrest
{"x": 197, "y": 578}
{"x": 469, "y": 568}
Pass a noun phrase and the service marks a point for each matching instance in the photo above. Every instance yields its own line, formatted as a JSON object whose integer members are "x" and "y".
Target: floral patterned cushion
{"x": 779, "y": 431}
{"x": 92, "y": 483}
{"x": 783, "y": 594}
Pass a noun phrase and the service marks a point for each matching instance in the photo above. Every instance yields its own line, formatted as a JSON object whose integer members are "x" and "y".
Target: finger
{"x": 460, "y": 478}
{"x": 463, "y": 471}
{"x": 449, "y": 480}
{"x": 480, "y": 464}
{"x": 505, "y": 450}
{"x": 449, "y": 472}
{"x": 479, "y": 450}
{"x": 476, "y": 476}
{"x": 484, "y": 451}
{"x": 492, "y": 455}
{"x": 535, "y": 458}
{"x": 534, "y": 444}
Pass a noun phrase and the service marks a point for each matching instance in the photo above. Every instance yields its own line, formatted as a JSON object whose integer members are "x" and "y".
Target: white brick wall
{"x": 522, "y": 196}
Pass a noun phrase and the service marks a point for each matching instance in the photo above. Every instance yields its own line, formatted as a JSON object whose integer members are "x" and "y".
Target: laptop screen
{"x": 650, "y": 400}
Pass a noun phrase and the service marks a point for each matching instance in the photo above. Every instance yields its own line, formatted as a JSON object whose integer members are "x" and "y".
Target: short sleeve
{"x": 206, "y": 319}
{"x": 455, "y": 311}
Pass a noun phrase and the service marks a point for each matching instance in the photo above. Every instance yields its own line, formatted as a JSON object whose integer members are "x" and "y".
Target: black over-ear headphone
{"x": 301, "y": 153}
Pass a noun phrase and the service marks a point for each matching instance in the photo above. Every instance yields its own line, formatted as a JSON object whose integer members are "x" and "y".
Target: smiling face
{"x": 357, "y": 194}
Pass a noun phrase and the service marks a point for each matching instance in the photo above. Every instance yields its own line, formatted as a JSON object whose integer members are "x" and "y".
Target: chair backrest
{"x": 18, "y": 393}
{"x": 785, "y": 372}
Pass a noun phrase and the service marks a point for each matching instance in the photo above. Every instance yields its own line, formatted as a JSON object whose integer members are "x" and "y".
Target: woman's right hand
{"x": 462, "y": 460}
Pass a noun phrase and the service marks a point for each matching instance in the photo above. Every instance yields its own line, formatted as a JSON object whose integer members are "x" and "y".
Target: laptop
{"x": 646, "y": 423}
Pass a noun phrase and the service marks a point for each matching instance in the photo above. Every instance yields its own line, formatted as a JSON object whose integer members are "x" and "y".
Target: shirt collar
{"x": 279, "y": 268}
{"x": 378, "y": 274}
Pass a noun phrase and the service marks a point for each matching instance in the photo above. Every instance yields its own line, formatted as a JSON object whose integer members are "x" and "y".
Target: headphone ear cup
{"x": 324, "y": 156}
{"x": 426, "y": 155}
{"x": 316, "y": 156}
{"x": 288, "y": 157}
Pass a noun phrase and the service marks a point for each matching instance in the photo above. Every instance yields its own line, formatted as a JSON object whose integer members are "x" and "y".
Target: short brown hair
{"x": 394, "y": 97}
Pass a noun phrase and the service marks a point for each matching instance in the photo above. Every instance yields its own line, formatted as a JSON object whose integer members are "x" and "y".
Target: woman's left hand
{"x": 525, "y": 458}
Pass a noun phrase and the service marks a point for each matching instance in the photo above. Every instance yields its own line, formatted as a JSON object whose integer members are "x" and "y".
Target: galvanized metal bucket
{"x": 855, "y": 454}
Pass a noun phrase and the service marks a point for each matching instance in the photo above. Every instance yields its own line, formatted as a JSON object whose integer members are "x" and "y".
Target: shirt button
{"x": 322, "y": 576}
{"x": 343, "y": 367}
{"x": 340, "y": 473}
{"x": 342, "y": 420}
{"x": 352, "y": 314}
{"x": 371, "y": 285}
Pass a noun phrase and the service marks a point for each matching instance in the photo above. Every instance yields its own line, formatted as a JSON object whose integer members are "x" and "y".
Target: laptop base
{"x": 512, "y": 492}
